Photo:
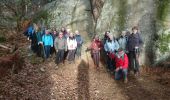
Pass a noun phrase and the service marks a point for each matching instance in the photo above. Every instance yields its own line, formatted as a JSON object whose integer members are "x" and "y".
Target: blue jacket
{"x": 47, "y": 40}
{"x": 79, "y": 40}
{"x": 111, "y": 46}
{"x": 30, "y": 31}
{"x": 122, "y": 42}
{"x": 134, "y": 40}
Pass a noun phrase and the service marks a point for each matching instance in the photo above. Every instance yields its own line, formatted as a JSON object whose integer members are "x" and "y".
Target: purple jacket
{"x": 134, "y": 40}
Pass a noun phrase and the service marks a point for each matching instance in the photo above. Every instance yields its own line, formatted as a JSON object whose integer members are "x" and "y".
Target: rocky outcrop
{"x": 73, "y": 14}
{"x": 118, "y": 15}
{"x": 98, "y": 16}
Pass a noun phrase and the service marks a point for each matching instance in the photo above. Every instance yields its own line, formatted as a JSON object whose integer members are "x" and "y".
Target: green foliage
{"x": 42, "y": 15}
{"x": 162, "y": 10}
{"x": 2, "y": 39}
{"x": 122, "y": 14}
{"x": 163, "y": 42}
{"x": 119, "y": 19}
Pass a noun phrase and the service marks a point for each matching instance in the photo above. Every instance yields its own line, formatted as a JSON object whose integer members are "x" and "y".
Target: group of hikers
{"x": 46, "y": 42}
{"x": 122, "y": 53}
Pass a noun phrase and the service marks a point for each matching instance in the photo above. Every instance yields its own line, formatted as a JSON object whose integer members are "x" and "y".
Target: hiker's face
{"x": 111, "y": 37}
{"x": 55, "y": 32}
{"x": 135, "y": 31}
{"x": 71, "y": 34}
{"x": 46, "y": 32}
{"x": 123, "y": 33}
{"x": 120, "y": 52}
{"x": 77, "y": 32}
{"x": 60, "y": 35}
{"x": 62, "y": 29}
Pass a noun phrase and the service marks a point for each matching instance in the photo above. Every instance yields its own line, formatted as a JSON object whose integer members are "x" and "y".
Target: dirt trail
{"x": 79, "y": 81}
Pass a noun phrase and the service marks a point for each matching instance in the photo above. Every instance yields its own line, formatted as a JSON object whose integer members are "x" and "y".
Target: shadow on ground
{"x": 142, "y": 89}
{"x": 83, "y": 81}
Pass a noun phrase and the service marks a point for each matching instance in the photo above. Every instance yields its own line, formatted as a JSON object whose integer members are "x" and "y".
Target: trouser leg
{"x": 125, "y": 72}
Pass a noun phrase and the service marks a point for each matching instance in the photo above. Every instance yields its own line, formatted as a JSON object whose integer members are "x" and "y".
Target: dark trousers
{"x": 59, "y": 56}
{"x": 34, "y": 47}
{"x": 52, "y": 51}
{"x": 65, "y": 55}
{"x": 78, "y": 51}
{"x": 47, "y": 51}
{"x": 110, "y": 64}
{"x": 133, "y": 61}
{"x": 71, "y": 55}
{"x": 40, "y": 51}
{"x": 120, "y": 73}
{"x": 96, "y": 58}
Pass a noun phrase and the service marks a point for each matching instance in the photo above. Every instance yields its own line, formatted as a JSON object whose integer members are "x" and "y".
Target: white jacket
{"x": 71, "y": 43}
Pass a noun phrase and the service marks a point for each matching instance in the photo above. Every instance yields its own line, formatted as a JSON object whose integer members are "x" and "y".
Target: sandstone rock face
{"x": 73, "y": 14}
{"x": 118, "y": 15}
{"x": 98, "y": 16}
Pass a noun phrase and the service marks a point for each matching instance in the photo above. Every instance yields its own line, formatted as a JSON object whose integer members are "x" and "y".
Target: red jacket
{"x": 99, "y": 43}
{"x": 122, "y": 62}
{"x": 112, "y": 55}
{"x": 95, "y": 46}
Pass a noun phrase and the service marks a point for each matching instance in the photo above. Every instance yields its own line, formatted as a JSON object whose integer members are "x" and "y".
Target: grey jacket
{"x": 60, "y": 43}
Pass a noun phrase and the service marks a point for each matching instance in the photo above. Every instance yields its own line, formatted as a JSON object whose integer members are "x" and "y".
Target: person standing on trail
{"x": 72, "y": 45}
{"x": 65, "y": 32}
{"x": 111, "y": 46}
{"x": 95, "y": 48}
{"x": 54, "y": 34}
{"x": 31, "y": 36}
{"x": 122, "y": 41}
{"x": 134, "y": 44}
{"x": 47, "y": 40}
{"x": 39, "y": 42}
{"x": 60, "y": 45}
{"x": 79, "y": 40}
{"x": 30, "y": 32}
{"x": 106, "y": 36}
{"x": 34, "y": 42}
{"x": 121, "y": 60}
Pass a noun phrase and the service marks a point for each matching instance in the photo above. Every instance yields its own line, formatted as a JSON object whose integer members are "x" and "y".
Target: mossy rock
{"x": 2, "y": 39}
{"x": 163, "y": 42}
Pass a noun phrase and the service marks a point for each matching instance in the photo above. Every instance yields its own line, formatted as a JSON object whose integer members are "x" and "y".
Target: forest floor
{"x": 38, "y": 80}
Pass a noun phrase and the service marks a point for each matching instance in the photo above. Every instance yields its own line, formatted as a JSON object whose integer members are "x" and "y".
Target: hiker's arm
{"x": 117, "y": 45}
{"x": 125, "y": 64}
{"x": 55, "y": 44}
{"x": 65, "y": 44}
{"x": 52, "y": 42}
